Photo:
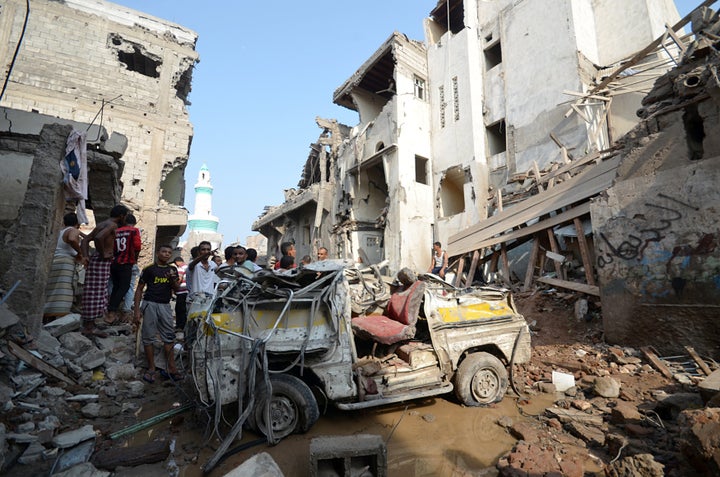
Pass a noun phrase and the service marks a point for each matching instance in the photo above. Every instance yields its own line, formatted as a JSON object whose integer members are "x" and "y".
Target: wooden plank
{"x": 458, "y": 277}
{"x": 538, "y": 176}
{"x": 579, "y": 287}
{"x": 555, "y": 249}
{"x": 558, "y": 219}
{"x": 473, "y": 268}
{"x": 584, "y": 252}
{"x": 531, "y": 264}
{"x": 655, "y": 361}
{"x": 584, "y": 185}
{"x": 640, "y": 55}
{"x": 696, "y": 357}
{"x": 676, "y": 39}
{"x": 505, "y": 264}
{"x": 37, "y": 363}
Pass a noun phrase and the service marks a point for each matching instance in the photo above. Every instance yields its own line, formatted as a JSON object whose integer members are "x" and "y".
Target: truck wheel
{"x": 481, "y": 379}
{"x": 293, "y": 408}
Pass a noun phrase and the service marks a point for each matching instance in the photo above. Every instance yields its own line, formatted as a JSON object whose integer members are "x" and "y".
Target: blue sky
{"x": 266, "y": 71}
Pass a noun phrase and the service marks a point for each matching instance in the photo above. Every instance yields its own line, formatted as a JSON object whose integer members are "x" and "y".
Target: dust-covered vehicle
{"x": 276, "y": 344}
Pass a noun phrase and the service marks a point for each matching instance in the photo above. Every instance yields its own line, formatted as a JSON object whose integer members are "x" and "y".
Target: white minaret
{"x": 202, "y": 221}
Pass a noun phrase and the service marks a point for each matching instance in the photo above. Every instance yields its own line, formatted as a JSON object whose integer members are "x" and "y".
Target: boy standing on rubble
{"x": 161, "y": 280}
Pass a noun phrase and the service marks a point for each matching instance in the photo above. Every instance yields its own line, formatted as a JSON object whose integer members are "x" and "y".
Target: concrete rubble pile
{"x": 66, "y": 393}
{"x": 610, "y": 404}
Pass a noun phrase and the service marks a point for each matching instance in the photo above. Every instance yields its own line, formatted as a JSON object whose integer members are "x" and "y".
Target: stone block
{"x": 76, "y": 343}
{"x": 115, "y": 145}
{"x": 64, "y": 324}
{"x": 71, "y": 438}
{"x": 710, "y": 386}
{"x": 259, "y": 465}
{"x": 348, "y": 455}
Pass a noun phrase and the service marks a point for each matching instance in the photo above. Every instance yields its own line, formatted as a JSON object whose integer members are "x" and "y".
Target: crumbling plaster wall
{"x": 71, "y": 60}
{"x": 657, "y": 238}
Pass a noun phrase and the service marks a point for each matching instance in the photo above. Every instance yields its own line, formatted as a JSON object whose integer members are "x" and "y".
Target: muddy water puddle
{"x": 434, "y": 437}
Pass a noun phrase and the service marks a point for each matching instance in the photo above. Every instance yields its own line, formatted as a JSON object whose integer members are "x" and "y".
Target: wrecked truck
{"x": 278, "y": 343}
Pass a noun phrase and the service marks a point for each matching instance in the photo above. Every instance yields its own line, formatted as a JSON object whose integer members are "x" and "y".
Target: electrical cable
{"x": 17, "y": 49}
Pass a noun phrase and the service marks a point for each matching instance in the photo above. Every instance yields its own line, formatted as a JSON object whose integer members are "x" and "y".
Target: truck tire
{"x": 481, "y": 379}
{"x": 293, "y": 408}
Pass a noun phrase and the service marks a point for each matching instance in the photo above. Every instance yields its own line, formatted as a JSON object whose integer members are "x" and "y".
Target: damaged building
{"x": 96, "y": 62}
{"x": 446, "y": 126}
{"x": 122, "y": 79}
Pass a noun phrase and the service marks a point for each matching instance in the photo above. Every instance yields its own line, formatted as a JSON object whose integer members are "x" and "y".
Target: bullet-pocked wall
{"x": 97, "y": 61}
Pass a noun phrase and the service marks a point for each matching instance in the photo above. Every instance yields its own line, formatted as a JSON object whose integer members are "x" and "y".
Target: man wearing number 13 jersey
{"x": 127, "y": 249}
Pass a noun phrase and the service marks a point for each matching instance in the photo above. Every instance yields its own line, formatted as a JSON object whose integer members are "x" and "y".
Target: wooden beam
{"x": 37, "y": 363}
{"x": 505, "y": 264}
{"x": 584, "y": 252}
{"x": 531, "y": 264}
{"x": 473, "y": 268}
{"x": 696, "y": 357}
{"x": 655, "y": 361}
{"x": 638, "y": 57}
{"x": 579, "y": 287}
{"x": 554, "y": 248}
{"x": 458, "y": 277}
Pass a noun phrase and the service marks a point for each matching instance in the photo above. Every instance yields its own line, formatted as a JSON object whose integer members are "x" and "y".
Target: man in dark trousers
{"x": 127, "y": 250}
{"x": 161, "y": 279}
{"x": 97, "y": 273}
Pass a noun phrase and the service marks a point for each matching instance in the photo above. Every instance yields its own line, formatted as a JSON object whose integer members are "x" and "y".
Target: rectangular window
{"x": 456, "y": 98}
{"x": 441, "y": 93}
{"x": 419, "y": 84}
{"x": 493, "y": 56}
{"x": 421, "y": 170}
{"x": 496, "y": 138}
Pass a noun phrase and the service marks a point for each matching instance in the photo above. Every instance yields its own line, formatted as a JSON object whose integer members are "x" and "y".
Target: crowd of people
{"x": 109, "y": 295}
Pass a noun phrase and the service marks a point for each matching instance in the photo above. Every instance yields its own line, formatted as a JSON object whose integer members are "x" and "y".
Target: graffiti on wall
{"x": 650, "y": 227}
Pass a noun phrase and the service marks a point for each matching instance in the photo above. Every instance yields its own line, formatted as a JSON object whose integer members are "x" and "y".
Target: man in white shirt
{"x": 202, "y": 271}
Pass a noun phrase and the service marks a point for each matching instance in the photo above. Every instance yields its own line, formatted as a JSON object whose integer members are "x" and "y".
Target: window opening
{"x": 496, "y": 138}
{"x": 421, "y": 173}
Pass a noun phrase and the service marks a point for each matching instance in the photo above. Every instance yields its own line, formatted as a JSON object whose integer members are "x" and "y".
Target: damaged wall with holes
{"x": 657, "y": 238}
{"x": 499, "y": 72}
{"x": 32, "y": 201}
{"x": 130, "y": 72}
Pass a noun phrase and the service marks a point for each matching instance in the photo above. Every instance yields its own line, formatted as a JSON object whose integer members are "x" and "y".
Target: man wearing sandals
{"x": 161, "y": 279}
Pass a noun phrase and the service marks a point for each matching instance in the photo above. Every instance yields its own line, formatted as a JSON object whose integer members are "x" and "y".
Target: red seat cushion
{"x": 381, "y": 329}
{"x": 398, "y": 323}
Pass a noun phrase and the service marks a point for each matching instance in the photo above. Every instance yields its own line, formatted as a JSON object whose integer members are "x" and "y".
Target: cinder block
{"x": 344, "y": 456}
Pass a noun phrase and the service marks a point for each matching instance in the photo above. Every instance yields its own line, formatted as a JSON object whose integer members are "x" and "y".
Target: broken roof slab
{"x": 375, "y": 74}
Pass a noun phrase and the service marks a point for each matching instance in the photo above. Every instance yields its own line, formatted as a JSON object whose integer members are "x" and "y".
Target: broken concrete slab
{"x": 64, "y": 325}
{"x": 74, "y": 437}
{"x": 76, "y": 343}
{"x": 122, "y": 372}
{"x": 260, "y": 465}
{"x": 32, "y": 454}
{"x": 93, "y": 359}
{"x": 710, "y": 386}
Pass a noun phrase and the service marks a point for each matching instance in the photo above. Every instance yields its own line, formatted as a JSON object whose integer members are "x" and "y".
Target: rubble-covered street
{"x": 622, "y": 416}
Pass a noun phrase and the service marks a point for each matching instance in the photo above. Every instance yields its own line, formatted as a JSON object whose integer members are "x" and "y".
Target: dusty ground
{"x": 433, "y": 437}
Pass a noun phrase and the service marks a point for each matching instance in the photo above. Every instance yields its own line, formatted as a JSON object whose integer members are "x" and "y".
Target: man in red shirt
{"x": 127, "y": 249}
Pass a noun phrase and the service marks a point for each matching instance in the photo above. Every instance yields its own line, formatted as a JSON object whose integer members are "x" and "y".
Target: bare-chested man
{"x": 95, "y": 296}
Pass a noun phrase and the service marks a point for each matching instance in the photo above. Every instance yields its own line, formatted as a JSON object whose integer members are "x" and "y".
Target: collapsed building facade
{"x": 117, "y": 76}
{"x": 446, "y": 126}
